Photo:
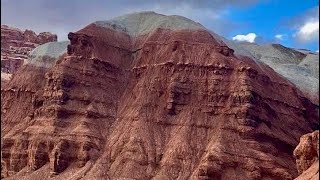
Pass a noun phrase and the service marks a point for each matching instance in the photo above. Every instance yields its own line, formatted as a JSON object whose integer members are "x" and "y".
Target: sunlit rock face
{"x": 307, "y": 156}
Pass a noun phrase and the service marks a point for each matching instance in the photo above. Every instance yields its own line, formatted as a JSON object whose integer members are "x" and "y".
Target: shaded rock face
{"x": 307, "y": 156}
{"x": 16, "y": 45}
{"x": 164, "y": 105}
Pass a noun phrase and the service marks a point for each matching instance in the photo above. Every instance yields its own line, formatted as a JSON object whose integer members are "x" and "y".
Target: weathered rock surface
{"x": 16, "y": 45}
{"x": 47, "y": 54}
{"x": 167, "y": 104}
{"x": 5, "y": 77}
{"x": 307, "y": 156}
{"x": 301, "y": 67}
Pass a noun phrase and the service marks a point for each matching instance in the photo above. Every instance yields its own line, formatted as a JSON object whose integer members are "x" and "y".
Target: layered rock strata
{"x": 167, "y": 104}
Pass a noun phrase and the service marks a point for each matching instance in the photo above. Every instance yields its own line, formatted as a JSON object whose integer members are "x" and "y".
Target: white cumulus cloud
{"x": 308, "y": 32}
{"x": 250, "y": 37}
{"x": 279, "y": 37}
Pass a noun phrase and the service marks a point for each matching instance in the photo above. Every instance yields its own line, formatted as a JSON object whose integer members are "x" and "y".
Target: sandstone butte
{"x": 148, "y": 96}
{"x": 16, "y": 45}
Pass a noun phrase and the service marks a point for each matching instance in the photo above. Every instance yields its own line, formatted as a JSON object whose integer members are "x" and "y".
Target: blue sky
{"x": 293, "y": 23}
{"x": 285, "y": 17}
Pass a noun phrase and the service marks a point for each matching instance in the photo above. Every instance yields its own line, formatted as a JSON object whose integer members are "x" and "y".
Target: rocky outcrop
{"x": 307, "y": 156}
{"x": 169, "y": 104}
{"x": 16, "y": 45}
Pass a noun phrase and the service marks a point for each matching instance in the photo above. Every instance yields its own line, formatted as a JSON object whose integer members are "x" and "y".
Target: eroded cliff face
{"x": 307, "y": 156}
{"x": 16, "y": 45}
{"x": 164, "y": 105}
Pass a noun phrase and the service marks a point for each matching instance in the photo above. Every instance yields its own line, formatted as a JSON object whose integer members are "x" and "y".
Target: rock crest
{"x": 16, "y": 45}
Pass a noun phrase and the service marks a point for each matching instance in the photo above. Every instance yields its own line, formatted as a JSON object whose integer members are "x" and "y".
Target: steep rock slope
{"x": 166, "y": 104}
{"x": 47, "y": 54}
{"x": 307, "y": 156}
{"x": 301, "y": 67}
{"x": 16, "y": 45}
{"x": 311, "y": 61}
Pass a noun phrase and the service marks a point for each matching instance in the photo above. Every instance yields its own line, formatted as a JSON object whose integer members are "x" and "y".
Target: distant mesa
{"x": 17, "y": 44}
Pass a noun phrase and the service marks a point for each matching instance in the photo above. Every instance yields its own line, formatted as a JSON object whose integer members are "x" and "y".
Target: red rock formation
{"x": 166, "y": 105}
{"x": 16, "y": 45}
{"x": 307, "y": 156}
